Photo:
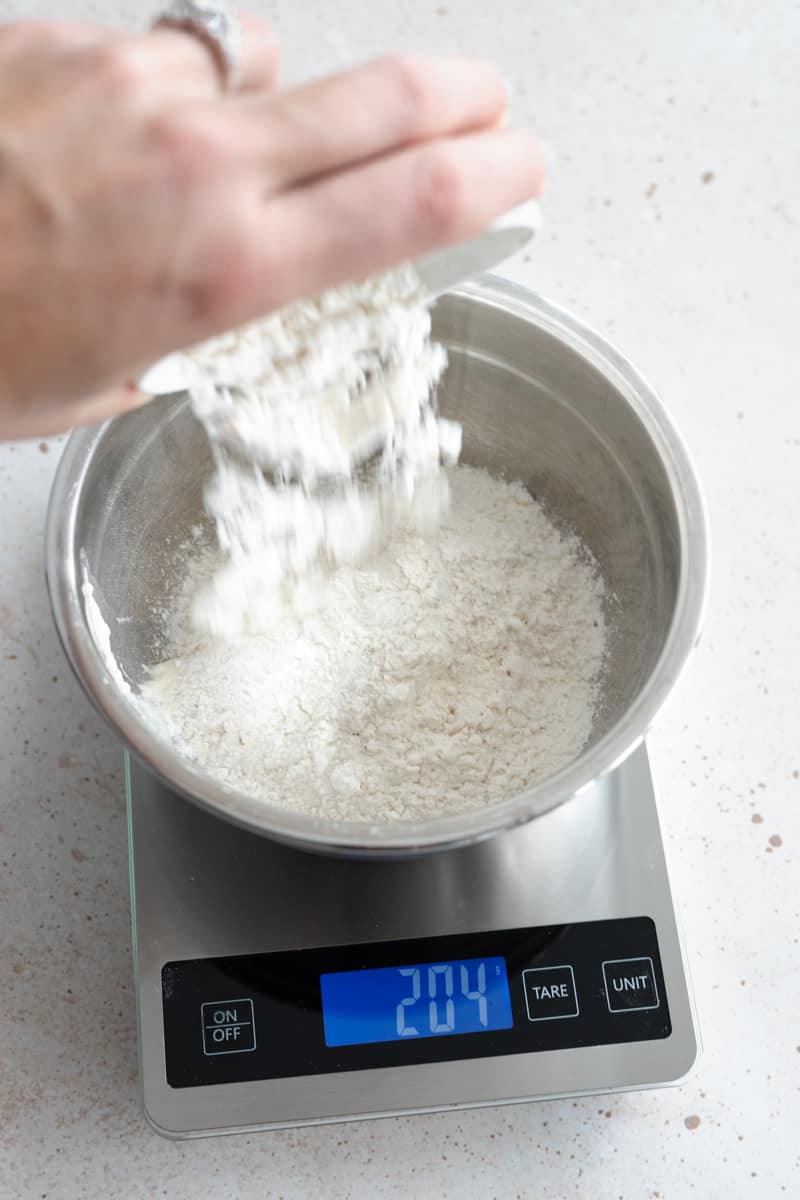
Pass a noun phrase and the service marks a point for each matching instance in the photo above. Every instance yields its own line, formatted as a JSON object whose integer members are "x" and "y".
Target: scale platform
{"x": 279, "y": 988}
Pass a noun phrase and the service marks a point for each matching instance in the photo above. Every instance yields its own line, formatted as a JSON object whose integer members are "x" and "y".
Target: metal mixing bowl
{"x": 542, "y": 399}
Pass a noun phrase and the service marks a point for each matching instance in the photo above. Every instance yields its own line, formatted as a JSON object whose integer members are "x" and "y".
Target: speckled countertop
{"x": 674, "y": 227}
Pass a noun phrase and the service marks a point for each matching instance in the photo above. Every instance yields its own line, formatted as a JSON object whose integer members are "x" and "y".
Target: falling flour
{"x": 452, "y": 669}
{"x": 324, "y": 434}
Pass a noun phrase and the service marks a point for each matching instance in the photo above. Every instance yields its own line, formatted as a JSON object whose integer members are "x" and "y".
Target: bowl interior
{"x": 532, "y": 408}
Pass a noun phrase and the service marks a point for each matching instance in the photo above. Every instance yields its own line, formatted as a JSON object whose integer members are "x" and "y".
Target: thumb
{"x": 111, "y": 403}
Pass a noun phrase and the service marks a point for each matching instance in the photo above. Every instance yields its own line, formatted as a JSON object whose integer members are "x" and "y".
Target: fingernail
{"x": 135, "y": 397}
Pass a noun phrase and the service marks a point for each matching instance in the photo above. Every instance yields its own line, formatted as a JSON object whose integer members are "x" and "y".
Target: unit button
{"x": 550, "y": 993}
{"x": 229, "y": 1026}
{"x": 630, "y": 984}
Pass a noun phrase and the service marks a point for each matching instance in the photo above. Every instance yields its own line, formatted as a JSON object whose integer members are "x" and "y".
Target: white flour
{"x": 319, "y": 388}
{"x": 448, "y": 671}
{"x": 356, "y": 649}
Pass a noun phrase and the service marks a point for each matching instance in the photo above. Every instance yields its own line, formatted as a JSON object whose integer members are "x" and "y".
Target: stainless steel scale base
{"x": 203, "y": 888}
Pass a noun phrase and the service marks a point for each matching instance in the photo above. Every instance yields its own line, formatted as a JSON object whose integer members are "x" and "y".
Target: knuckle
{"x": 441, "y": 194}
{"x": 216, "y": 293}
{"x": 45, "y": 35}
{"x": 120, "y": 68}
{"x": 190, "y": 149}
{"x": 411, "y": 82}
{"x": 211, "y": 296}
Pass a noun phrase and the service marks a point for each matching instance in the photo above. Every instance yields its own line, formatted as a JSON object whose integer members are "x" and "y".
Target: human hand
{"x": 142, "y": 210}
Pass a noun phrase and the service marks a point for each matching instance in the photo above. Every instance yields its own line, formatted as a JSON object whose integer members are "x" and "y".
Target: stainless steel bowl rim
{"x": 161, "y": 756}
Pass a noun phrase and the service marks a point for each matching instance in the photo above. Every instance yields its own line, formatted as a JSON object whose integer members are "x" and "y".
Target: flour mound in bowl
{"x": 452, "y": 669}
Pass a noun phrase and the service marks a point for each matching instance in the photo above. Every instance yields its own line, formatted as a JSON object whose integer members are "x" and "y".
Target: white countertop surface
{"x": 673, "y": 225}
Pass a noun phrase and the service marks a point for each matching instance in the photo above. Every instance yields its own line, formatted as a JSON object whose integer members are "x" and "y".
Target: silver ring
{"x": 216, "y": 25}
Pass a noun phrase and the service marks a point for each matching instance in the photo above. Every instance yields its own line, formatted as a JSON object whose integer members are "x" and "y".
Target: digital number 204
{"x": 441, "y": 999}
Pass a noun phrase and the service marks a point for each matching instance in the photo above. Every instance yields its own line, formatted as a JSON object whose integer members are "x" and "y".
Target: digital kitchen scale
{"x": 280, "y": 988}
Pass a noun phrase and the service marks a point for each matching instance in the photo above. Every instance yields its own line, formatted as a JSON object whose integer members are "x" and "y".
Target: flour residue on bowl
{"x": 101, "y": 636}
{"x": 452, "y": 669}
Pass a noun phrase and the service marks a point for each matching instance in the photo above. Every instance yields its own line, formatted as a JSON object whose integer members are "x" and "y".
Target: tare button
{"x": 630, "y": 984}
{"x": 550, "y": 993}
{"x": 229, "y": 1026}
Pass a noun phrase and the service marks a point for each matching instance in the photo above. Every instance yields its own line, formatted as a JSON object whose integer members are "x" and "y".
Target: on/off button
{"x": 228, "y": 1026}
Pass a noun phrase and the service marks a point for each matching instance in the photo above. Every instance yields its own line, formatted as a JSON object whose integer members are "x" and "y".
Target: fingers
{"x": 167, "y": 66}
{"x": 370, "y": 111}
{"x": 111, "y": 403}
{"x": 33, "y": 52}
{"x": 260, "y": 55}
{"x": 186, "y": 61}
{"x": 55, "y": 416}
{"x": 396, "y": 208}
{"x": 44, "y": 38}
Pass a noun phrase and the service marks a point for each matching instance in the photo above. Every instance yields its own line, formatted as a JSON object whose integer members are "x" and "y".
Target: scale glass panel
{"x": 278, "y": 987}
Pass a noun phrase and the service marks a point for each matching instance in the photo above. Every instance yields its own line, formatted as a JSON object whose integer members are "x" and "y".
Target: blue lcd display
{"x": 393, "y": 1004}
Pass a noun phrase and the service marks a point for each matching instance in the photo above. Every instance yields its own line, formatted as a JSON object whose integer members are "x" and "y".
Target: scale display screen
{"x": 327, "y": 1009}
{"x": 387, "y": 1004}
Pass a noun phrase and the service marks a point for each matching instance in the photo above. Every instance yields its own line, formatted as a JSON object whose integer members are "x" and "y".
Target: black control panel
{"x": 422, "y": 1000}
